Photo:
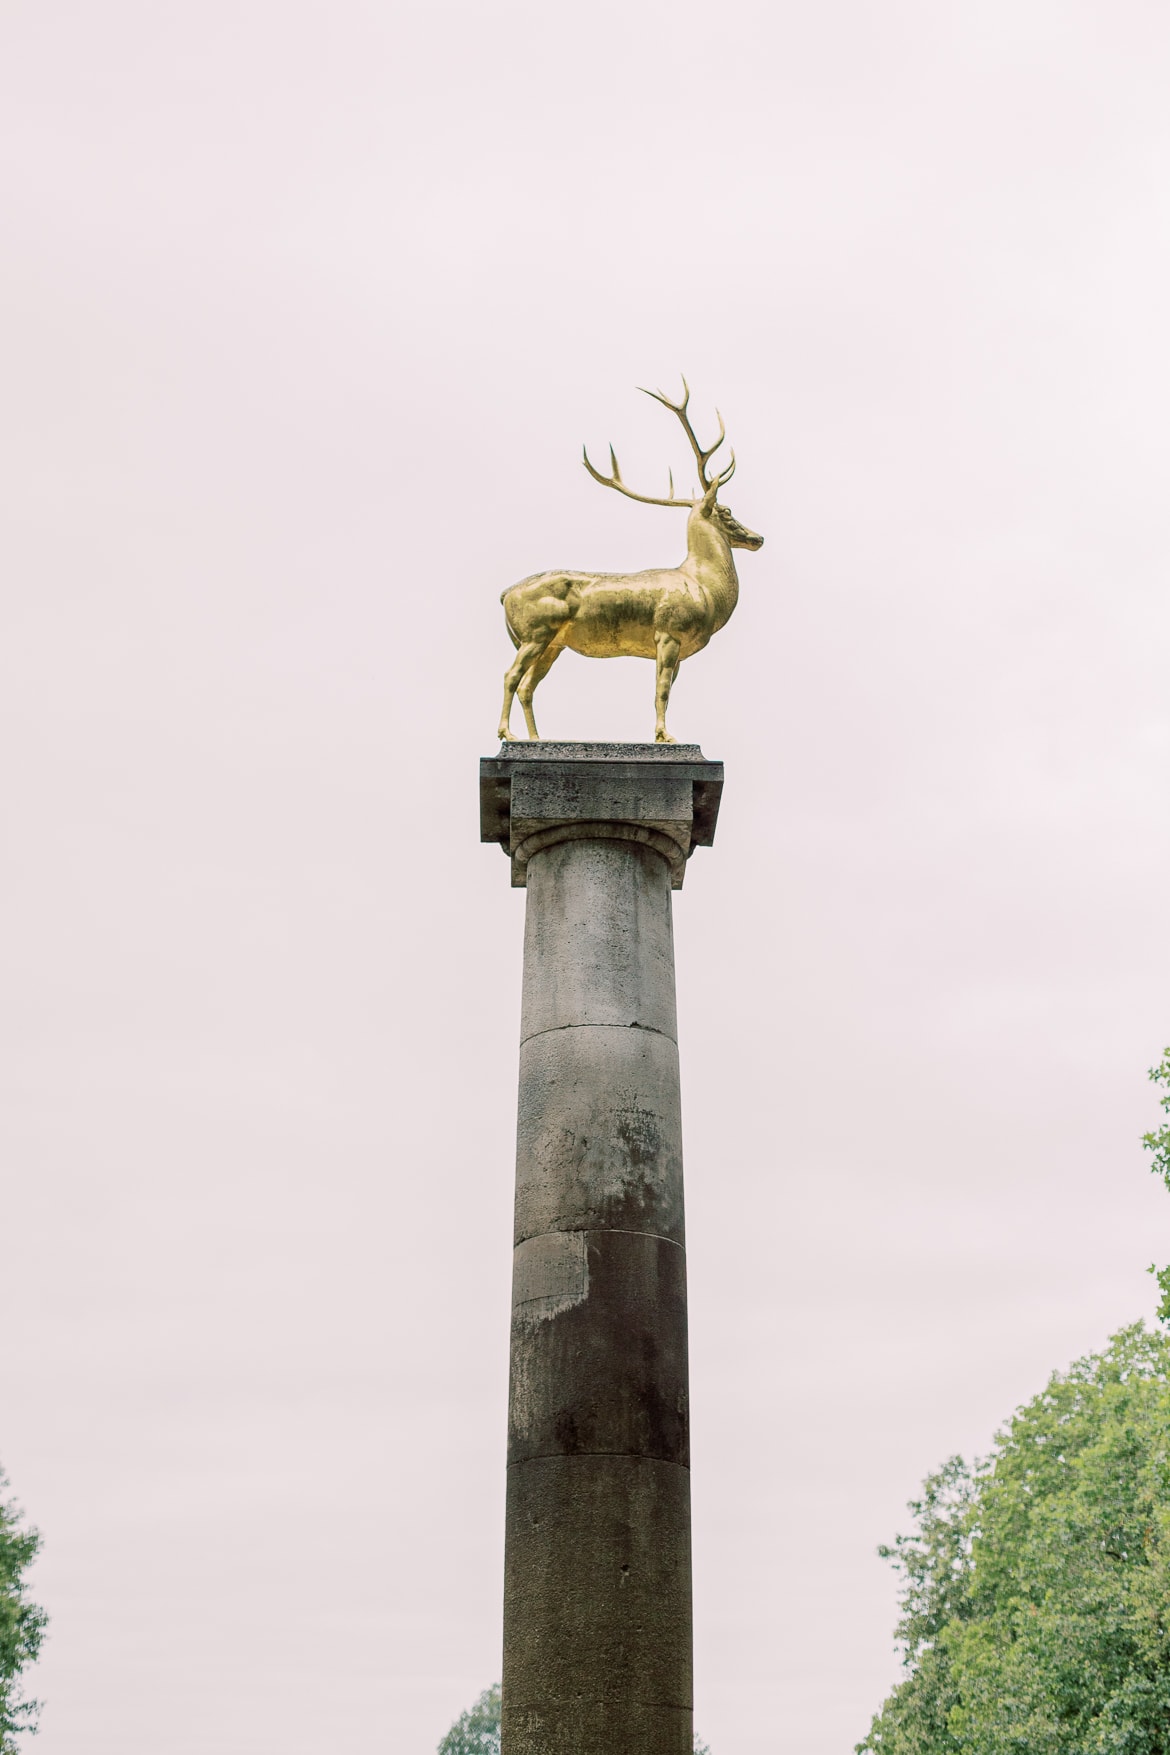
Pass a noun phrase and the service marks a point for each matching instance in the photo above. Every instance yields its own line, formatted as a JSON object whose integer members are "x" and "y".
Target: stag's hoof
{"x": 506, "y": 736}
{"x": 663, "y": 737}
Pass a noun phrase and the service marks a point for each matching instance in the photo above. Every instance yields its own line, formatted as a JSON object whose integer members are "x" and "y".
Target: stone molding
{"x": 663, "y": 796}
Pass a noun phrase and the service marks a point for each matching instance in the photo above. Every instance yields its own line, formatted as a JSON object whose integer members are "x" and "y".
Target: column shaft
{"x": 597, "y": 1606}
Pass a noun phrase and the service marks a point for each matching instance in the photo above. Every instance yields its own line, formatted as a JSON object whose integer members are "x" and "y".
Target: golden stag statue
{"x": 665, "y": 614}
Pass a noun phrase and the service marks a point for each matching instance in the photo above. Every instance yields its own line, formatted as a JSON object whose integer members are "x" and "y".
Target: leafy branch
{"x": 22, "y": 1623}
{"x": 1158, "y": 1142}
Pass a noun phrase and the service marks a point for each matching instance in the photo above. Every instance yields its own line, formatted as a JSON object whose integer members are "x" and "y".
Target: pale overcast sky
{"x": 306, "y": 312}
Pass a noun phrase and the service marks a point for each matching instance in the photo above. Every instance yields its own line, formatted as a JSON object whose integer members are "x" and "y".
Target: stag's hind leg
{"x": 536, "y": 673}
{"x": 537, "y": 612}
{"x": 533, "y": 660}
{"x": 526, "y": 655}
{"x": 666, "y": 663}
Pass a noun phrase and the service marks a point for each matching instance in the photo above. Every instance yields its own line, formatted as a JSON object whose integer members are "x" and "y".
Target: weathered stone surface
{"x": 598, "y": 940}
{"x": 619, "y": 1727}
{"x": 597, "y": 1617}
{"x": 545, "y": 750}
{"x": 599, "y": 1347}
{"x": 663, "y": 795}
{"x": 599, "y": 1133}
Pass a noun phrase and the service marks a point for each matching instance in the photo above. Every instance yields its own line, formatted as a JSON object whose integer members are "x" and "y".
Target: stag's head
{"x": 738, "y": 535}
{"x": 706, "y": 505}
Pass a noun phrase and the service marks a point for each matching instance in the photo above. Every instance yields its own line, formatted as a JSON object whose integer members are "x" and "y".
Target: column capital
{"x": 664, "y": 795}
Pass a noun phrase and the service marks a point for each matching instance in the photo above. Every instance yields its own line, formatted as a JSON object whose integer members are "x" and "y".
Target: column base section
{"x": 596, "y": 1727}
{"x": 597, "y": 1607}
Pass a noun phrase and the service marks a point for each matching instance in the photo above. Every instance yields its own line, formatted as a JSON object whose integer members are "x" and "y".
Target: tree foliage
{"x": 1158, "y": 1142}
{"x": 477, "y": 1731}
{"x": 22, "y": 1624}
{"x": 1036, "y": 1593}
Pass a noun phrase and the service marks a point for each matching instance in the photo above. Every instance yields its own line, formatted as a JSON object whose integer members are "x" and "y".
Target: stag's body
{"x": 666, "y": 614}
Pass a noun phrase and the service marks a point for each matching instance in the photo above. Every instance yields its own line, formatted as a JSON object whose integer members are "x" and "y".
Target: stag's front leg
{"x": 666, "y": 651}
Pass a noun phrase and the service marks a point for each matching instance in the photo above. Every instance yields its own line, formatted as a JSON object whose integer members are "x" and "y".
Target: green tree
{"x": 22, "y": 1624}
{"x": 477, "y": 1731}
{"x": 1036, "y": 1586}
{"x": 1158, "y": 1142}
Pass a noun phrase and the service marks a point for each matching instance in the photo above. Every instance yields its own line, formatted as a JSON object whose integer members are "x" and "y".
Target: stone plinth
{"x": 597, "y": 1603}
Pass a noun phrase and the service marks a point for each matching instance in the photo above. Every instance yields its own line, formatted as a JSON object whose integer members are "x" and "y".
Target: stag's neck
{"x": 711, "y": 564}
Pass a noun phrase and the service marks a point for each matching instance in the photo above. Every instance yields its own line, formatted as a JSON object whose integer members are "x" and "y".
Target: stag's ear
{"x": 708, "y": 502}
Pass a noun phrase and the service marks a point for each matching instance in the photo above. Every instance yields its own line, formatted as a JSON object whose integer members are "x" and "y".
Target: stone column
{"x": 597, "y": 1590}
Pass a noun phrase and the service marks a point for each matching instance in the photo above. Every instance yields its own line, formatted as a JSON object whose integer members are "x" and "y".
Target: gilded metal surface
{"x": 665, "y": 614}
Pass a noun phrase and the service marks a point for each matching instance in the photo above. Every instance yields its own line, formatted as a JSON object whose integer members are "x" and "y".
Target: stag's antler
{"x": 701, "y": 457}
{"x": 615, "y": 481}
